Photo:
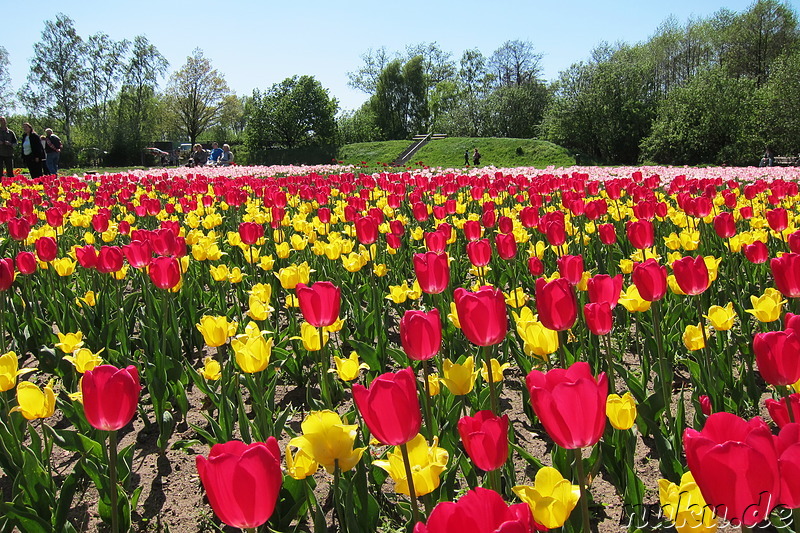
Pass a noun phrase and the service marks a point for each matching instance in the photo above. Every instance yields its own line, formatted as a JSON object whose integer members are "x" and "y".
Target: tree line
{"x": 716, "y": 90}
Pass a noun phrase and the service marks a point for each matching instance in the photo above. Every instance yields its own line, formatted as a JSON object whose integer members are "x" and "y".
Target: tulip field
{"x": 284, "y": 349}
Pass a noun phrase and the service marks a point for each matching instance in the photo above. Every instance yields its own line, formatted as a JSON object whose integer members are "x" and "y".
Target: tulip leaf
{"x": 75, "y": 442}
{"x": 24, "y": 518}
{"x": 64, "y": 503}
{"x": 368, "y": 354}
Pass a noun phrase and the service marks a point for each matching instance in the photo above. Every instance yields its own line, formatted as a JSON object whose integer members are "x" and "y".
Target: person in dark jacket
{"x": 32, "y": 151}
{"x": 52, "y": 150}
{"x": 8, "y": 141}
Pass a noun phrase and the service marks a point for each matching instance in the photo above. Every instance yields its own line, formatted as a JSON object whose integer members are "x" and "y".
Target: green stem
{"x": 112, "y": 475}
{"x": 427, "y": 399}
{"x": 582, "y": 484}
{"x": 610, "y": 364}
{"x": 411, "y": 490}
{"x": 490, "y": 378}
{"x": 562, "y": 356}
{"x": 323, "y": 378}
{"x": 337, "y": 473}
{"x": 3, "y": 321}
{"x": 665, "y": 369}
{"x": 796, "y": 519}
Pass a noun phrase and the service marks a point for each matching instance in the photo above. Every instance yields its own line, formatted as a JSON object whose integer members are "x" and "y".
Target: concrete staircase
{"x": 417, "y": 142}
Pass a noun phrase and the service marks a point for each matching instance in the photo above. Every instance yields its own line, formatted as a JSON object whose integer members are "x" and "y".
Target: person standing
{"x": 476, "y": 157}
{"x": 466, "y": 157}
{"x": 32, "y": 151}
{"x": 8, "y": 141}
{"x": 52, "y": 150}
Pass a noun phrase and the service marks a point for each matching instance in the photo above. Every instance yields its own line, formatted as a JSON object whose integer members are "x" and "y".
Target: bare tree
{"x": 515, "y": 63}
{"x": 6, "y": 97}
{"x": 104, "y": 61}
{"x": 196, "y": 93}
{"x": 366, "y": 77}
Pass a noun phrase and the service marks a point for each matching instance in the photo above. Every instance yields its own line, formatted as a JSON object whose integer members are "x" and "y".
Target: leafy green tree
{"x": 295, "y": 112}
{"x": 516, "y": 110}
{"x": 366, "y": 77}
{"x": 196, "y": 94}
{"x": 357, "y": 126}
{"x": 56, "y": 82}
{"x": 104, "y": 71}
{"x": 711, "y": 119}
{"x": 780, "y": 112}
{"x": 515, "y": 63}
{"x": 400, "y": 103}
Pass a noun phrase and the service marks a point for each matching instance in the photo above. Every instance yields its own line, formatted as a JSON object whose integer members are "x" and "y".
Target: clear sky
{"x": 257, "y": 43}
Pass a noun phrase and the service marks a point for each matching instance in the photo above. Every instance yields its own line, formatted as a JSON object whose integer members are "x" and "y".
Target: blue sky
{"x": 258, "y": 43}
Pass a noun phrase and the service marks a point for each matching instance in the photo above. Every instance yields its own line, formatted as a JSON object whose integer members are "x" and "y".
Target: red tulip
{"x": 472, "y": 230}
{"x": 791, "y": 322}
{"x": 607, "y": 233}
{"x": 250, "y": 232}
{"x": 778, "y": 357}
{"x": 54, "y": 217}
{"x": 7, "y": 273}
{"x": 756, "y": 253}
{"x": 138, "y": 253}
{"x": 787, "y": 445}
{"x": 555, "y": 232}
{"x": 242, "y": 481}
{"x": 420, "y": 212}
{"x": 479, "y": 511}
{"x": 556, "y": 304}
{"x": 506, "y": 245}
{"x": 46, "y": 248}
{"x": 110, "y": 396}
{"x": 778, "y": 219}
{"x": 650, "y": 279}
{"x": 432, "y": 271}
{"x": 482, "y": 315}
{"x": 165, "y": 272}
{"x": 479, "y": 252}
{"x": 641, "y": 234}
{"x": 366, "y": 230}
{"x": 778, "y": 411}
{"x": 26, "y": 262}
{"x": 436, "y": 241}
{"x": 323, "y": 214}
{"x": 319, "y": 303}
{"x": 165, "y": 241}
{"x": 705, "y": 405}
{"x": 691, "y": 275}
{"x": 390, "y": 407}
{"x": 505, "y": 224}
{"x": 19, "y": 228}
{"x": 786, "y": 271}
{"x": 570, "y": 403}
{"x": 599, "y": 318}
{"x": 421, "y": 334}
{"x": 87, "y": 256}
{"x": 725, "y": 225}
{"x": 735, "y": 464}
{"x": 570, "y": 268}
{"x": 485, "y": 439}
{"x": 535, "y": 266}
{"x": 604, "y": 288}
{"x": 109, "y": 259}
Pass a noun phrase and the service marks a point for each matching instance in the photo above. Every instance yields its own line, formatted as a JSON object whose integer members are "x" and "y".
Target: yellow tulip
{"x": 690, "y": 240}
{"x": 712, "y": 265}
{"x": 537, "y": 339}
{"x": 121, "y": 273}
{"x": 291, "y": 301}
{"x": 267, "y": 262}
{"x": 415, "y": 292}
{"x": 328, "y": 440}
{"x": 299, "y": 242}
{"x": 497, "y": 371}
{"x": 262, "y": 291}
{"x": 83, "y": 359}
{"x": 252, "y": 254}
{"x": 90, "y": 299}
{"x": 672, "y": 241}
{"x": 294, "y": 274}
{"x": 626, "y": 266}
{"x": 336, "y": 326}
{"x": 685, "y": 506}
{"x": 310, "y": 337}
{"x": 219, "y": 273}
{"x": 9, "y": 371}
{"x": 64, "y": 266}
{"x": 452, "y": 316}
{"x": 69, "y": 342}
{"x": 673, "y": 285}
{"x": 516, "y": 298}
{"x": 235, "y": 275}
{"x": 34, "y": 402}
{"x": 216, "y": 329}
{"x": 621, "y": 410}
{"x": 348, "y": 368}
{"x": 459, "y": 378}
{"x": 258, "y": 310}
{"x": 380, "y": 270}
{"x": 398, "y": 293}
{"x": 721, "y": 318}
{"x": 427, "y": 464}
{"x": 631, "y": 300}
{"x": 767, "y": 307}
{"x": 551, "y": 498}
{"x": 353, "y": 262}
{"x": 693, "y": 337}
{"x": 434, "y": 384}
{"x": 333, "y": 250}
{"x": 301, "y": 464}
{"x": 212, "y": 370}
{"x": 282, "y": 250}
{"x": 252, "y": 353}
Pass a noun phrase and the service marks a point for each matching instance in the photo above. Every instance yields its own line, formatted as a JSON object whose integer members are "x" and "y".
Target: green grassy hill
{"x": 498, "y": 152}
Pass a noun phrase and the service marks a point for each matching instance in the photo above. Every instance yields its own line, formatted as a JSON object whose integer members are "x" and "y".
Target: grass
{"x": 449, "y": 152}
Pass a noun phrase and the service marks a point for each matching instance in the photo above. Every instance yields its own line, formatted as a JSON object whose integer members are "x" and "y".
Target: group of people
{"x": 39, "y": 153}
{"x": 476, "y": 157}
{"x": 218, "y": 157}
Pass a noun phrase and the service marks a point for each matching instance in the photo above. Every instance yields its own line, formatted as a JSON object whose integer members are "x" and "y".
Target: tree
{"x": 516, "y": 110}
{"x": 366, "y": 77}
{"x": 57, "y": 76}
{"x": 295, "y": 112}
{"x": 6, "y": 97}
{"x": 357, "y": 126}
{"x": 400, "y": 103}
{"x": 780, "y": 113}
{"x": 104, "y": 62}
{"x": 515, "y": 63}
{"x": 196, "y": 94}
